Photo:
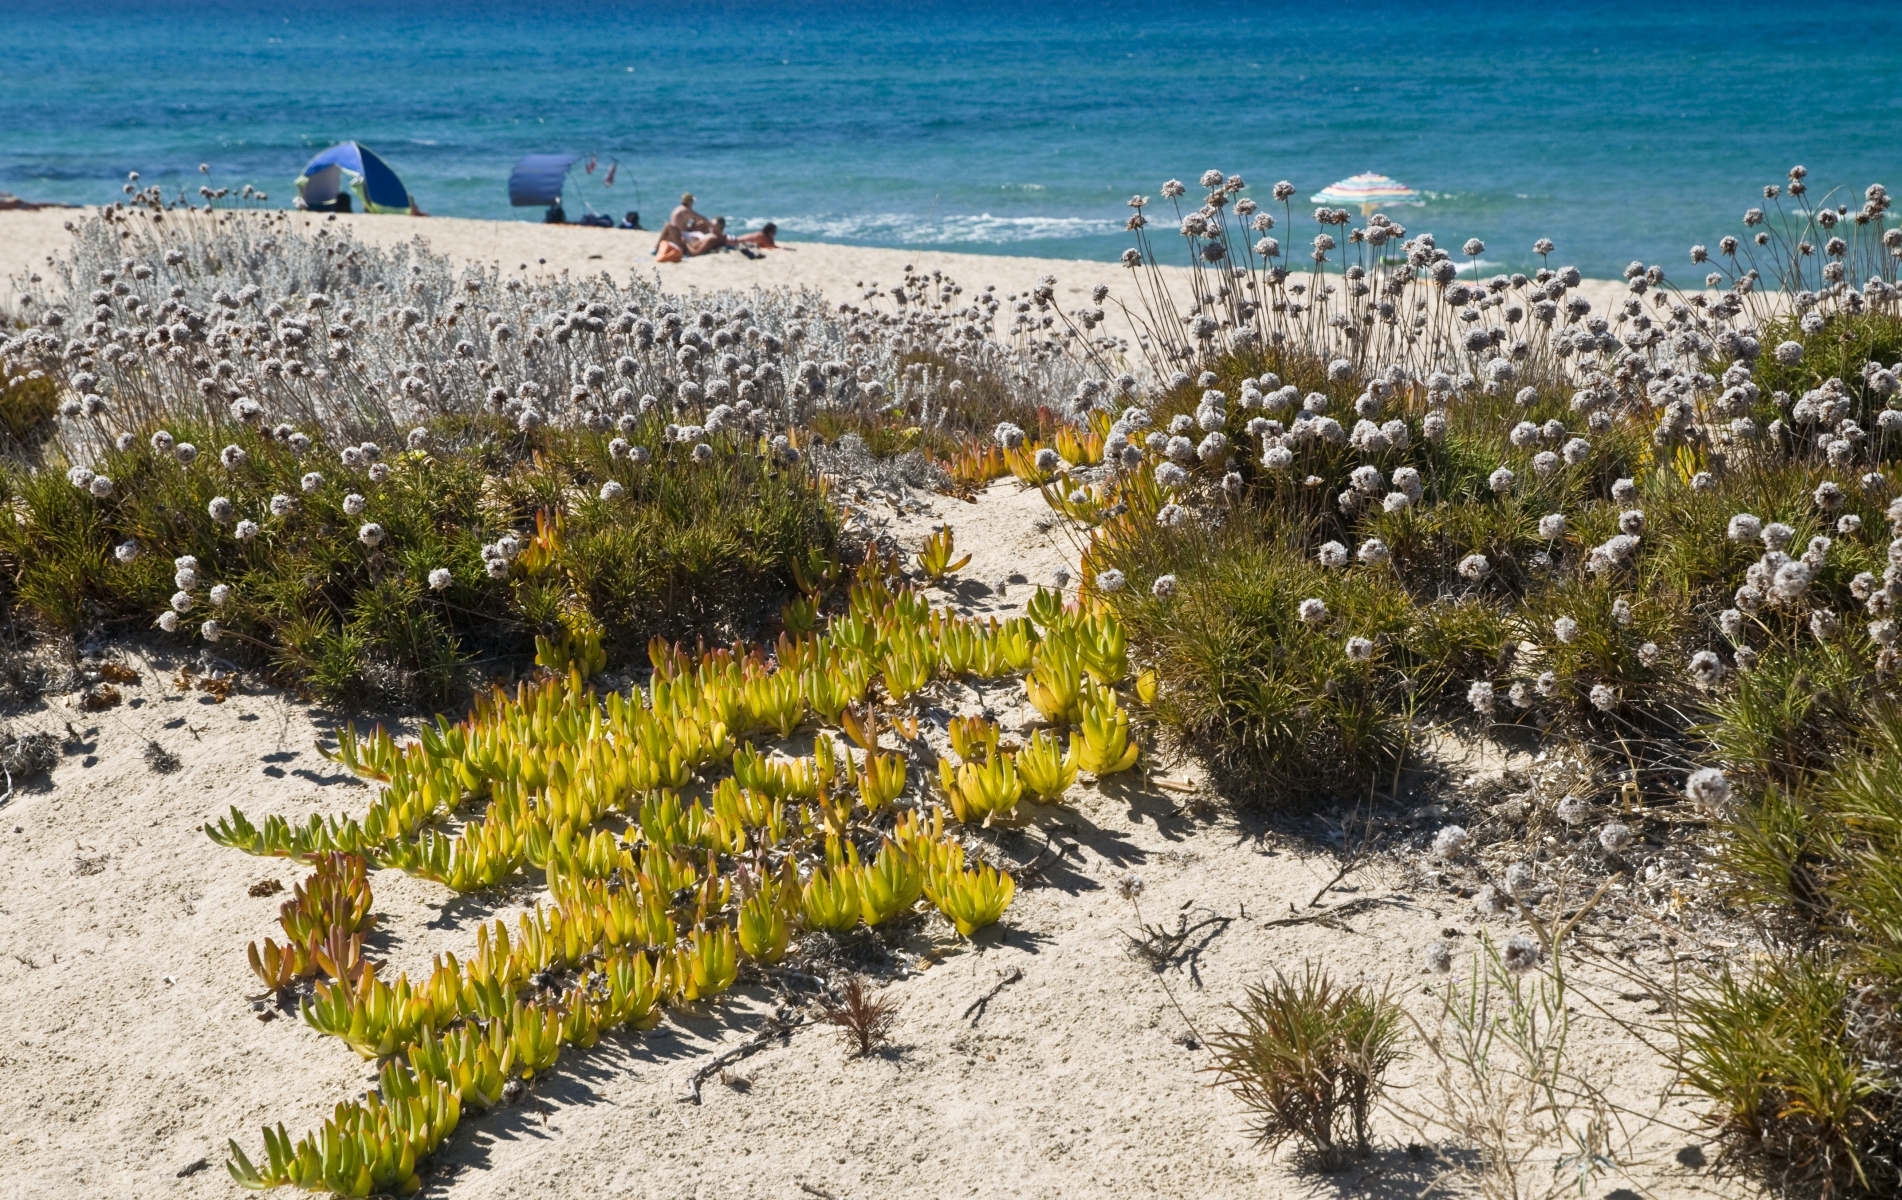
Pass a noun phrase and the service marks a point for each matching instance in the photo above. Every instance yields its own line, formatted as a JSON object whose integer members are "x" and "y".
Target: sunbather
{"x": 714, "y": 237}
{"x": 763, "y": 239}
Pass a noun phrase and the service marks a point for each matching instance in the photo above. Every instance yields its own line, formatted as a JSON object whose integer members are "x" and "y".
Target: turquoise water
{"x": 1619, "y": 130}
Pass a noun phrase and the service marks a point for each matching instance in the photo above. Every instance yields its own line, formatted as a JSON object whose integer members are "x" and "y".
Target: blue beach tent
{"x": 537, "y": 180}
{"x": 349, "y": 166}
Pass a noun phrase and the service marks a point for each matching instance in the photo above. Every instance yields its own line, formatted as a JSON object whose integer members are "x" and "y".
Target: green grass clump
{"x": 1786, "y": 1057}
{"x": 1309, "y": 1059}
{"x": 29, "y": 412}
{"x": 397, "y": 599}
{"x": 1272, "y": 697}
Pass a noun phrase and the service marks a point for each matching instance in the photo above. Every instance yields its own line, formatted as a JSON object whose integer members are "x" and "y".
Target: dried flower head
{"x": 1520, "y": 954}
{"x": 1708, "y": 789}
{"x": 1450, "y": 842}
{"x": 1481, "y": 696}
{"x": 1825, "y": 625}
{"x": 1705, "y": 669}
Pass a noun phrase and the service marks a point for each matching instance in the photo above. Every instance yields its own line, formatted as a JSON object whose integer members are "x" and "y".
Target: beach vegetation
{"x": 1309, "y": 1060}
{"x": 1347, "y": 499}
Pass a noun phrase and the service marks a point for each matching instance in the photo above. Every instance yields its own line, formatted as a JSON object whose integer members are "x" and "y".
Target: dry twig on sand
{"x": 779, "y": 1024}
{"x": 980, "y": 1004}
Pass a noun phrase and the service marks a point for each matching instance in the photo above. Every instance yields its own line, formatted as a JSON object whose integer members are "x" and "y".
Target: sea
{"x": 1621, "y": 130}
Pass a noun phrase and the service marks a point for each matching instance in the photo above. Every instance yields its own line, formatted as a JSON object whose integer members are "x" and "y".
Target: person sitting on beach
{"x": 705, "y": 242}
{"x": 762, "y": 239}
{"x": 685, "y": 219}
{"x": 555, "y": 215}
{"x": 633, "y": 221}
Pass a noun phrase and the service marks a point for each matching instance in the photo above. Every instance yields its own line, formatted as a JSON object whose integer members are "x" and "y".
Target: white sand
{"x": 132, "y": 1051}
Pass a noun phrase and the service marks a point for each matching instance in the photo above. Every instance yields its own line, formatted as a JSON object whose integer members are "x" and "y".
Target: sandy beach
{"x": 137, "y": 1047}
{"x": 842, "y": 273}
{"x": 139, "y": 1043}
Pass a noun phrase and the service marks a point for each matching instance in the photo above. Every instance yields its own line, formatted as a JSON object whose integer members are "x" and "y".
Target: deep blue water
{"x": 1621, "y": 130}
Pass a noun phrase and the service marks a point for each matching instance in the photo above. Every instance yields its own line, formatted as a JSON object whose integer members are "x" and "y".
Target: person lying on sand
{"x": 677, "y": 242}
{"x": 705, "y": 242}
{"x": 762, "y": 239}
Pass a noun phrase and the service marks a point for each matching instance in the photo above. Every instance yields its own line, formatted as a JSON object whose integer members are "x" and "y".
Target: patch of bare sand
{"x": 134, "y": 1052}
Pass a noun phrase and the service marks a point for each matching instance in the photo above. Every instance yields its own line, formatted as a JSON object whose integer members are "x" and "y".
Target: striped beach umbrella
{"x": 1368, "y": 190}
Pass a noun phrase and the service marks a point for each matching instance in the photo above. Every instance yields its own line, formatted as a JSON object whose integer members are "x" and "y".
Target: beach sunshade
{"x": 352, "y": 167}
{"x": 1368, "y": 190}
{"x": 537, "y": 180}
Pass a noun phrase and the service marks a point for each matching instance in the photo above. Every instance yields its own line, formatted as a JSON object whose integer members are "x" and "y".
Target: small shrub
{"x": 1309, "y": 1060}
{"x": 29, "y": 412}
{"x": 866, "y": 1019}
{"x": 24, "y": 755}
{"x": 1275, "y": 699}
{"x": 1793, "y": 1059}
{"x": 160, "y": 760}
{"x": 24, "y": 677}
